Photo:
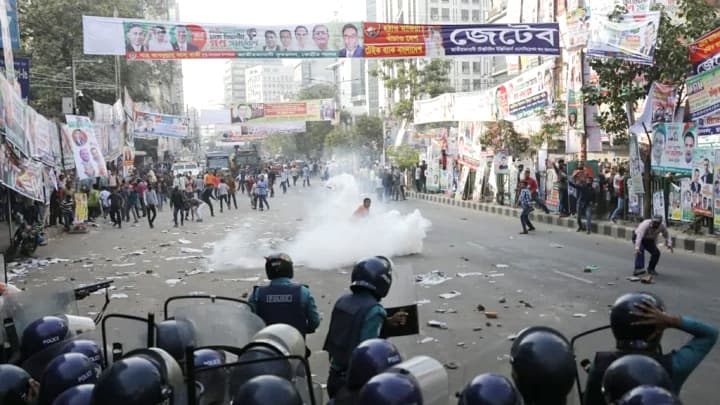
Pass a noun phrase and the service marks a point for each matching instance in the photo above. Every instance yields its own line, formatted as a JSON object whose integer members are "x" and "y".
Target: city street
{"x": 537, "y": 279}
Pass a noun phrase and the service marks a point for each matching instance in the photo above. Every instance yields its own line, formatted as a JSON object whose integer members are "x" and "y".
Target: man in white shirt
{"x": 105, "y": 202}
{"x": 160, "y": 41}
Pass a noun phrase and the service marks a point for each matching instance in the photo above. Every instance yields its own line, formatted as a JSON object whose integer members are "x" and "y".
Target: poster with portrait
{"x": 630, "y": 37}
{"x": 464, "y": 173}
{"x": 44, "y": 130}
{"x": 501, "y": 163}
{"x": 716, "y": 192}
{"x": 86, "y": 151}
{"x": 686, "y": 201}
{"x": 575, "y": 112}
{"x": 13, "y": 117}
{"x": 701, "y": 182}
{"x": 675, "y": 211}
{"x": 480, "y": 173}
{"x": 658, "y": 203}
{"x": 673, "y": 147}
{"x": 636, "y": 167}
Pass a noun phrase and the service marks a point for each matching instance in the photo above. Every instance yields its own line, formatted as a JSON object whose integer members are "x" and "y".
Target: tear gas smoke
{"x": 329, "y": 237}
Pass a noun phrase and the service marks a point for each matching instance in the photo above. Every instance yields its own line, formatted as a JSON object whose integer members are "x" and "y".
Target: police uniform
{"x": 283, "y": 301}
{"x": 678, "y": 364}
{"x": 356, "y": 317}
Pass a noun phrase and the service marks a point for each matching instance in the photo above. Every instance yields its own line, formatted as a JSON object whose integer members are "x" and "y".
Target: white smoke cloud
{"x": 329, "y": 236}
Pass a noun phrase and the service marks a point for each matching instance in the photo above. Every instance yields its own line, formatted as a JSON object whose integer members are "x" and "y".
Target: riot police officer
{"x": 490, "y": 389}
{"x": 631, "y": 371}
{"x": 267, "y": 389}
{"x": 369, "y": 359}
{"x": 77, "y": 395}
{"x": 284, "y": 301}
{"x": 649, "y": 395}
{"x": 637, "y": 321}
{"x": 64, "y": 372}
{"x": 16, "y": 386}
{"x": 543, "y": 366}
{"x": 358, "y": 316}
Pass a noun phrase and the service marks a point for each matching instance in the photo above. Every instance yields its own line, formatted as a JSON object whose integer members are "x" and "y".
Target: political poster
{"x": 500, "y": 162}
{"x": 470, "y": 149}
{"x": 165, "y": 40}
{"x": 672, "y": 148}
{"x": 574, "y": 28}
{"x": 552, "y": 187}
{"x": 22, "y": 75}
{"x": 108, "y": 123}
{"x": 86, "y": 151}
{"x": 12, "y": 18}
{"x": 704, "y": 53}
{"x": 148, "y": 124}
{"x": 716, "y": 192}
{"x": 659, "y": 107}
{"x": 13, "y": 119}
{"x": 44, "y": 131}
{"x": 68, "y": 157}
{"x": 675, "y": 210}
{"x": 701, "y": 184}
{"x": 81, "y": 208}
{"x": 262, "y": 119}
{"x": 702, "y": 93}
{"x": 436, "y": 109}
{"x": 636, "y": 167}
{"x": 21, "y": 174}
{"x": 658, "y": 204}
{"x": 575, "y": 111}
{"x": 632, "y": 38}
{"x": 686, "y": 201}
{"x": 464, "y": 173}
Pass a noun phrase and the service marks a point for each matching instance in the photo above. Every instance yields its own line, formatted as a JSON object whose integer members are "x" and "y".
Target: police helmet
{"x": 88, "y": 348}
{"x": 369, "y": 359}
{"x": 42, "y": 333}
{"x": 632, "y": 371}
{"x": 64, "y": 372}
{"x": 629, "y": 336}
{"x": 648, "y": 395}
{"x": 208, "y": 358}
{"x": 174, "y": 335}
{"x": 211, "y": 384}
{"x": 278, "y": 265}
{"x": 265, "y": 362}
{"x": 490, "y": 389}
{"x": 390, "y": 389}
{"x": 543, "y": 366}
{"x": 267, "y": 389}
{"x": 287, "y": 340}
{"x": 78, "y": 395}
{"x": 372, "y": 274}
{"x": 14, "y": 385}
{"x": 144, "y": 377}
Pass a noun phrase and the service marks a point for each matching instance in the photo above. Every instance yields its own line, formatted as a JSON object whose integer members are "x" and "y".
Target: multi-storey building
{"x": 269, "y": 83}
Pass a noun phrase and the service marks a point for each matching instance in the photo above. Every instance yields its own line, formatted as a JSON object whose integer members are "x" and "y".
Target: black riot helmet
{"x": 278, "y": 265}
{"x": 14, "y": 385}
{"x": 373, "y": 274}
{"x": 265, "y": 362}
{"x": 632, "y": 371}
{"x": 77, "y": 395}
{"x": 490, "y": 389}
{"x": 543, "y": 366}
{"x": 627, "y": 335}
{"x": 648, "y": 395}
{"x": 174, "y": 335}
{"x": 64, "y": 372}
{"x": 369, "y": 359}
{"x": 43, "y": 333}
{"x": 88, "y": 348}
{"x": 267, "y": 389}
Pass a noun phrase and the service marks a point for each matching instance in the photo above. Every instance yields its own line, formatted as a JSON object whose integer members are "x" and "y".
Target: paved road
{"x": 544, "y": 269}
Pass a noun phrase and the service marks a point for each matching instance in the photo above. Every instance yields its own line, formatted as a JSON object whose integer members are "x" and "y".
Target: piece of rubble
{"x": 451, "y": 366}
{"x": 481, "y": 307}
{"x": 502, "y": 300}
{"x": 471, "y": 274}
{"x": 450, "y": 295}
{"x": 426, "y": 340}
{"x": 633, "y": 279}
{"x": 579, "y": 315}
{"x": 190, "y": 250}
{"x": 437, "y": 324}
{"x": 502, "y": 266}
{"x": 491, "y": 315}
{"x": 435, "y": 277}
{"x": 118, "y": 296}
{"x": 172, "y": 281}
{"x": 184, "y": 241}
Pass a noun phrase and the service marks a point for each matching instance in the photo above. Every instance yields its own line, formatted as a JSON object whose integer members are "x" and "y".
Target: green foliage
{"x": 403, "y": 156}
{"x": 51, "y": 34}
{"x": 365, "y": 132}
{"x": 500, "y": 135}
{"x": 316, "y": 91}
{"x": 552, "y": 125}
{"x": 623, "y": 83}
{"x": 411, "y": 80}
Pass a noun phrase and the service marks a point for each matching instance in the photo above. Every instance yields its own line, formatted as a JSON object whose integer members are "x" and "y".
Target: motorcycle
{"x": 26, "y": 239}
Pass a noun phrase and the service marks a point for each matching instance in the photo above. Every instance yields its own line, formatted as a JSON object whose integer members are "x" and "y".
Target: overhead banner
{"x": 525, "y": 95}
{"x": 148, "y": 124}
{"x": 437, "y": 109}
{"x": 704, "y": 53}
{"x": 262, "y": 119}
{"x": 89, "y": 160}
{"x": 703, "y": 91}
{"x": 22, "y": 75}
{"x": 163, "y": 40}
{"x": 632, "y": 38}
{"x": 214, "y": 117}
{"x": 673, "y": 147}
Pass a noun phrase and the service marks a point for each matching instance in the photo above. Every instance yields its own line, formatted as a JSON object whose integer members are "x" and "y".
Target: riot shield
{"x": 594, "y": 340}
{"x": 402, "y": 297}
{"x": 216, "y": 321}
{"x": 218, "y": 384}
{"x": 124, "y": 333}
{"x": 27, "y": 306}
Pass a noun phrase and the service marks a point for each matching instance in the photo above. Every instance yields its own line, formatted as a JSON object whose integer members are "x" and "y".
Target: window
{"x": 466, "y": 67}
{"x": 477, "y": 84}
{"x": 465, "y": 15}
{"x": 446, "y": 14}
{"x": 476, "y": 15}
{"x": 434, "y": 13}
{"x": 466, "y": 85}
{"x": 476, "y": 67}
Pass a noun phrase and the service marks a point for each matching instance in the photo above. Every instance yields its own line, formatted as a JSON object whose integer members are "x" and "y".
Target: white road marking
{"x": 584, "y": 280}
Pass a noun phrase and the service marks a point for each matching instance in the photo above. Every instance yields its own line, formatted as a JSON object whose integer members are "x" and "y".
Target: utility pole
{"x": 74, "y": 86}
{"x": 118, "y": 90}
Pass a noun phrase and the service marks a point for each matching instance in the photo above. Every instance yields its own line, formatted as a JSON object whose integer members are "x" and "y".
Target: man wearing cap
{"x": 645, "y": 238}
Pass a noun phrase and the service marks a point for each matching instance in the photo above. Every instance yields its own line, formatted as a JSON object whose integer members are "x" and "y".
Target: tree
{"x": 52, "y": 46}
{"x": 623, "y": 84}
{"x": 317, "y": 91}
{"x": 501, "y": 135}
{"x": 412, "y": 79}
{"x": 552, "y": 124}
{"x": 403, "y": 156}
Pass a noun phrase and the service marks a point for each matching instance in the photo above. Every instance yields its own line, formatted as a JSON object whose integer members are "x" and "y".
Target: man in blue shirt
{"x": 358, "y": 316}
{"x": 585, "y": 196}
{"x": 638, "y": 321}
{"x": 261, "y": 188}
{"x": 526, "y": 204}
{"x": 284, "y": 301}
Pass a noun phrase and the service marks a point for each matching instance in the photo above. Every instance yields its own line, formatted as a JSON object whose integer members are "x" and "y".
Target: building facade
{"x": 269, "y": 83}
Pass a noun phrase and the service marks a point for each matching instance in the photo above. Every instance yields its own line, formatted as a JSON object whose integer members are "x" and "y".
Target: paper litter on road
{"x": 435, "y": 277}
{"x": 172, "y": 281}
{"x": 471, "y": 274}
{"x": 172, "y": 258}
{"x": 579, "y": 315}
{"x": 136, "y": 253}
{"x": 437, "y": 324}
{"x": 123, "y": 264}
{"x": 422, "y": 302}
{"x": 502, "y": 266}
{"x": 426, "y": 340}
{"x": 451, "y": 294}
{"x": 184, "y": 241}
{"x": 247, "y": 279}
{"x": 208, "y": 245}
{"x": 557, "y": 245}
{"x": 496, "y": 275}
{"x": 190, "y": 250}
{"x": 118, "y": 296}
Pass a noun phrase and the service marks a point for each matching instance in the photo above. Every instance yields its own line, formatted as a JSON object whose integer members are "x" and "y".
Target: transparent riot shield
{"x": 27, "y": 306}
{"x": 593, "y": 340}
{"x": 216, "y": 321}
{"x": 218, "y": 384}
{"x": 124, "y": 333}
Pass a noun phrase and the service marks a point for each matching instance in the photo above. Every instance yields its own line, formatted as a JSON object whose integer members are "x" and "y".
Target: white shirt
{"x": 105, "y": 198}
{"x": 223, "y": 189}
{"x": 154, "y": 45}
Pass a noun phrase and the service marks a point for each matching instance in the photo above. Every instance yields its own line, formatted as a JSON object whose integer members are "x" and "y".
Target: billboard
{"x": 22, "y": 75}
{"x": 149, "y": 124}
{"x": 257, "y": 120}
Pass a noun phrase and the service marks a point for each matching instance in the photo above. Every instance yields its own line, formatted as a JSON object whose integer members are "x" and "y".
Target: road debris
{"x": 184, "y": 241}
{"x": 190, "y": 250}
{"x": 422, "y": 302}
{"x": 502, "y": 300}
{"x": 579, "y": 315}
{"x": 450, "y": 295}
{"x": 471, "y": 274}
{"x": 172, "y": 281}
{"x": 502, "y": 266}
{"x": 426, "y": 340}
{"x": 481, "y": 307}
{"x": 435, "y": 277}
{"x": 451, "y": 366}
{"x": 590, "y": 268}
{"x": 437, "y": 324}
{"x": 118, "y": 296}
{"x": 491, "y": 315}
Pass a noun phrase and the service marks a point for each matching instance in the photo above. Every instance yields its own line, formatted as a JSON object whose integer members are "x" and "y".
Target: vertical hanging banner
{"x": 701, "y": 186}
{"x": 636, "y": 167}
{"x": 658, "y": 203}
{"x": 675, "y": 211}
{"x": 12, "y": 22}
{"x": 686, "y": 202}
{"x": 632, "y": 38}
{"x": 86, "y": 151}
{"x": 659, "y": 108}
{"x": 716, "y": 192}
{"x": 14, "y": 119}
{"x": 22, "y": 75}
{"x": 575, "y": 107}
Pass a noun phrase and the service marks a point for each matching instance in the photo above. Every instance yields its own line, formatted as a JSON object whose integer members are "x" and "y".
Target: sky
{"x": 203, "y": 79}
